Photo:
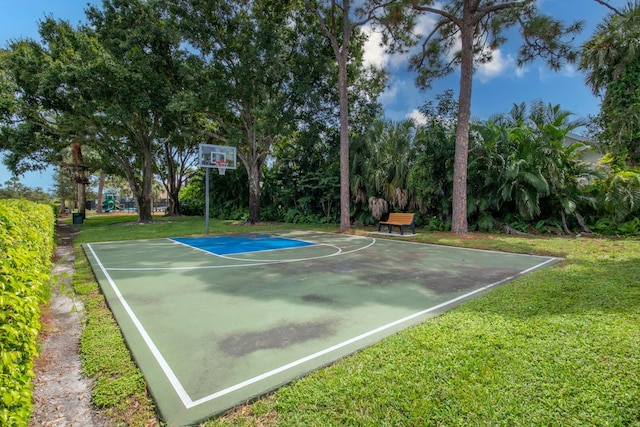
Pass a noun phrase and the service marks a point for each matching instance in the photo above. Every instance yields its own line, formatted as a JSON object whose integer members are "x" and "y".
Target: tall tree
{"x": 35, "y": 133}
{"x": 107, "y": 85}
{"x": 145, "y": 71}
{"x": 478, "y": 26}
{"x": 611, "y": 60}
{"x": 340, "y": 20}
{"x": 176, "y": 161}
{"x": 23, "y": 137}
{"x": 266, "y": 66}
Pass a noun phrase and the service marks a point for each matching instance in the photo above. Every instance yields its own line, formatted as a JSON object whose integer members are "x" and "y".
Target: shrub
{"x": 26, "y": 248}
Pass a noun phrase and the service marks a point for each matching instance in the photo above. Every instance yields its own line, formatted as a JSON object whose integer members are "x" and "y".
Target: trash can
{"x": 77, "y": 218}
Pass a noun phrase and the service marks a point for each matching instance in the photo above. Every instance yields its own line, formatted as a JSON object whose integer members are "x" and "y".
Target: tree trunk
{"x": 144, "y": 209}
{"x": 80, "y": 176}
{"x": 172, "y": 185}
{"x": 255, "y": 175}
{"x": 345, "y": 211}
{"x": 173, "y": 203}
{"x": 141, "y": 191}
{"x": 459, "y": 223}
{"x": 144, "y": 199}
{"x": 100, "y": 190}
{"x": 141, "y": 186}
{"x": 82, "y": 199}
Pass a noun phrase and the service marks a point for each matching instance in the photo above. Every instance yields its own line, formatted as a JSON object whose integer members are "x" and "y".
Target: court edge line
{"x": 535, "y": 267}
{"x": 356, "y": 339}
{"x": 491, "y": 251}
{"x": 173, "y": 380}
{"x": 189, "y": 403}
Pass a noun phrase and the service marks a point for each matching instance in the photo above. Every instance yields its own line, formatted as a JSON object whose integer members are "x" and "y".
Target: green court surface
{"x": 211, "y": 328}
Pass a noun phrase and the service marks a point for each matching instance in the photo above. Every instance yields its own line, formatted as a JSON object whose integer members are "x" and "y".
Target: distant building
{"x": 590, "y": 154}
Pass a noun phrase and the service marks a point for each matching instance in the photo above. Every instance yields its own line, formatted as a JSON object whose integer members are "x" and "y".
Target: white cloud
{"x": 543, "y": 73}
{"x": 374, "y": 53}
{"x": 391, "y": 91}
{"x": 521, "y": 71}
{"x": 494, "y": 68}
{"x": 568, "y": 70}
{"x": 417, "y": 117}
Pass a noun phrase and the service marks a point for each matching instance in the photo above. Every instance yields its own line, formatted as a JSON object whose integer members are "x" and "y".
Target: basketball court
{"x": 215, "y": 321}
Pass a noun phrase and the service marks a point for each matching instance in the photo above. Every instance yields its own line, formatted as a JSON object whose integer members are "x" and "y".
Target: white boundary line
{"x": 490, "y": 251}
{"x": 171, "y": 376}
{"x": 359, "y": 338}
{"x": 189, "y": 403}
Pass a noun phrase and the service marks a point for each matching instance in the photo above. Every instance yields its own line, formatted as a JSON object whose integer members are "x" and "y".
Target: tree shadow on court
{"x": 415, "y": 281}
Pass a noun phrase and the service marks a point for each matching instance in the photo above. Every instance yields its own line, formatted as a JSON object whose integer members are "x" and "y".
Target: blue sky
{"x": 496, "y": 86}
{"x": 500, "y": 84}
{"x": 18, "y": 20}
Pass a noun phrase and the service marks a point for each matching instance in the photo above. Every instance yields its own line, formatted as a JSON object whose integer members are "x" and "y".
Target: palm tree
{"x": 523, "y": 165}
{"x": 611, "y": 60}
{"x": 622, "y": 194}
{"x": 381, "y": 166}
{"x": 614, "y": 45}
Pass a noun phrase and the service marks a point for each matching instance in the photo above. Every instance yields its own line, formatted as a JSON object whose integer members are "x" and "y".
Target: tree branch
{"x": 371, "y": 15}
{"x": 607, "y": 5}
{"x": 443, "y": 13}
{"x": 498, "y": 7}
{"x": 323, "y": 24}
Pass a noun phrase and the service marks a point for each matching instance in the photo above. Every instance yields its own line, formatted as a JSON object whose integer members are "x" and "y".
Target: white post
{"x": 206, "y": 198}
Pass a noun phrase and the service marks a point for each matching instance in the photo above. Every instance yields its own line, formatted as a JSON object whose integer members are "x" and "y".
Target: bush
{"x": 26, "y": 248}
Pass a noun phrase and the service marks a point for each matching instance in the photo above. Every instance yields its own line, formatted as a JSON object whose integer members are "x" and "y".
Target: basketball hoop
{"x": 222, "y": 166}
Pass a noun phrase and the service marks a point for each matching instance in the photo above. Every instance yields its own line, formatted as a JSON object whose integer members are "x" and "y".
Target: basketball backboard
{"x": 212, "y": 155}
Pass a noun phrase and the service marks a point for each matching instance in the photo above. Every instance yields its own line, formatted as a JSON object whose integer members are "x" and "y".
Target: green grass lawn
{"x": 560, "y": 346}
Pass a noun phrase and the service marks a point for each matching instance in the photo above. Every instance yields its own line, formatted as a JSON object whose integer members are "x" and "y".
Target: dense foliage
{"x": 14, "y": 189}
{"x": 26, "y": 248}
{"x": 557, "y": 347}
{"x": 466, "y": 33}
{"x": 267, "y": 71}
{"x": 525, "y": 175}
{"x": 140, "y": 101}
{"x": 611, "y": 61}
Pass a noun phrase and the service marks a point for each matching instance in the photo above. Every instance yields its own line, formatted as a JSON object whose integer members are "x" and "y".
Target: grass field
{"x": 558, "y": 347}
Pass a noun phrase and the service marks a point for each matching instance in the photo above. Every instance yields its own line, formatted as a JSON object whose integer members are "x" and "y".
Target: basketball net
{"x": 222, "y": 166}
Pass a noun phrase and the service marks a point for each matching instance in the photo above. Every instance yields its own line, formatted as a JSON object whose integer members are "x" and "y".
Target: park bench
{"x": 402, "y": 220}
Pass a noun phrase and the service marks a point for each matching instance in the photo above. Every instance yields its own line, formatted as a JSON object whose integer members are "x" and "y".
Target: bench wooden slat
{"x": 401, "y": 220}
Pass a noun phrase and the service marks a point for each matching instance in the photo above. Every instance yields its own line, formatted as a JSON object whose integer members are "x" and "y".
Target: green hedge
{"x": 26, "y": 249}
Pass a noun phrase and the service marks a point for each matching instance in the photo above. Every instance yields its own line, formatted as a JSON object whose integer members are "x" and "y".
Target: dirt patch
{"x": 62, "y": 394}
